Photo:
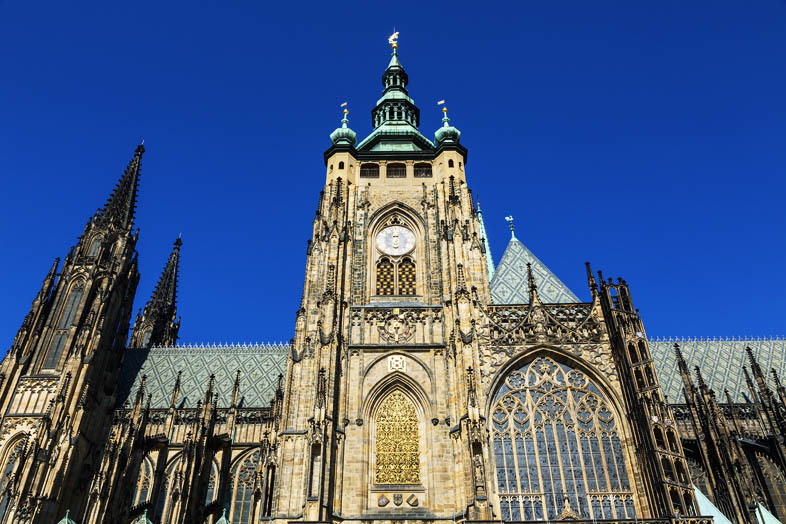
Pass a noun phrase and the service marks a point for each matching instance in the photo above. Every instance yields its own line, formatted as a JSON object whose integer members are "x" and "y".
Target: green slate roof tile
{"x": 260, "y": 366}
{"x": 720, "y": 361}
{"x": 509, "y": 284}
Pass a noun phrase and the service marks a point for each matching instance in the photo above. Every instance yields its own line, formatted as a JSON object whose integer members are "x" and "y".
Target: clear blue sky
{"x": 645, "y": 137}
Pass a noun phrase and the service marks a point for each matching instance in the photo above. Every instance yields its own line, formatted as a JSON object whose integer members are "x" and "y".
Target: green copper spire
{"x": 485, "y": 238}
{"x": 396, "y": 117}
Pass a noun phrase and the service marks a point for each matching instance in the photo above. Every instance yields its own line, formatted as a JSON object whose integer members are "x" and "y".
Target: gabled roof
{"x": 720, "y": 361}
{"x": 509, "y": 285}
{"x": 259, "y": 366}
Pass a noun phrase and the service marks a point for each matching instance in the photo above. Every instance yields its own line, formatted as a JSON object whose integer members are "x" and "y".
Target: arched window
{"x": 555, "y": 437}
{"x": 450, "y": 162}
{"x": 243, "y": 500}
{"x": 143, "y": 483}
{"x": 61, "y": 334}
{"x": 422, "y": 170}
{"x": 8, "y": 470}
{"x": 385, "y": 278}
{"x": 659, "y": 437}
{"x": 397, "y": 450}
{"x": 676, "y": 501}
{"x": 396, "y": 171}
{"x": 146, "y": 337}
{"x": 681, "y": 475}
{"x": 406, "y": 277}
{"x": 634, "y": 357}
{"x": 668, "y": 472}
{"x": 698, "y": 476}
{"x": 642, "y": 350}
{"x": 94, "y": 247}
{"x": 341, "y": 165}
{"x": 369, "y": 171}
{"x": 639, "y": 379}
{"x": 672, "y": 441}
{"x": 650, "y": 375}
{"x": 212, "y": 483}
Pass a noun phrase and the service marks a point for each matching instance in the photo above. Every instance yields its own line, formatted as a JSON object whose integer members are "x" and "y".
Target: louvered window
{"x": 369, "y": 171}
{"x": 396, "y": 171}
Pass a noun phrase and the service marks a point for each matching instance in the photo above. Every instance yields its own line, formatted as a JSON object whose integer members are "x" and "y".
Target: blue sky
{"x": 645, "y": 137}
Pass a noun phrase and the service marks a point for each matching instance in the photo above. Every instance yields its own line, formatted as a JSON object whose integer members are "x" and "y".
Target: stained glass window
{"x": 7, "y": 471}
{"x": 406, "y": 277}
{"x": 397, "y": 441}
{"x": 243, "y": 500}
{"x": 557, "y": 447}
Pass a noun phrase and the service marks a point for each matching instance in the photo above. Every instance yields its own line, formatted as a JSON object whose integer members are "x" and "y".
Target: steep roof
{"x": 259, "y": 365}
{"x": 509, "y": 285}
{"x": 720, "y": 361}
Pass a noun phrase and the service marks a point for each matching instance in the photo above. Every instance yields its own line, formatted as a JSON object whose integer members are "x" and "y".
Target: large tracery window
{"x": 8, "y": 470}
{"x": 557, "y": 447}
{"x": 244, "y": 474}
{"x": 397, "y": 441}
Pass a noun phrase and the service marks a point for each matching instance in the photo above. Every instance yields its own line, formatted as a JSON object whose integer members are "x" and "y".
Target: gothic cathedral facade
{"x": 408, "y": 393}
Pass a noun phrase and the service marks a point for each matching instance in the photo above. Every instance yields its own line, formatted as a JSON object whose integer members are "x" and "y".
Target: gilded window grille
{"x": 369, "y": 170}
{"x": 385, "y": 278}
{"x": 406, "y": 277}
{"x": 397, "y": 446}
{"x": 422, "y": 170}
{"x": 556, "y": 440}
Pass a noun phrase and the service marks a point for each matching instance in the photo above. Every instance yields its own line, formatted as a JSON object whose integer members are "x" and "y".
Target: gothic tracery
{"x": 556, "y": 440}
{"x": 397, "y": 441}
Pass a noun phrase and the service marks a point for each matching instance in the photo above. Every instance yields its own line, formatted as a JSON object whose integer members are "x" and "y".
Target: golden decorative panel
{"x": 406, "y": 278}
{"x": 397, "y": 442}
{"x": 385, "y": 280}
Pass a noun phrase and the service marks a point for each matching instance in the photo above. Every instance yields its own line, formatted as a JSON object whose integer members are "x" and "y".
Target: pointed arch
{"x": 396, "y": 273}
{"x": 396, "y": 441}
{"x": 243, "y": 481}
{"x": 144, "y": 482}
{"x": 10, "y": 463}
{"x": 557, "y": 430}
{"x": 66, "y": 319}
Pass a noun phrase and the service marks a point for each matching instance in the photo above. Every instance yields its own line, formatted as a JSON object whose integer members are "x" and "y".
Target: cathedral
{"x": 423, "y": 382}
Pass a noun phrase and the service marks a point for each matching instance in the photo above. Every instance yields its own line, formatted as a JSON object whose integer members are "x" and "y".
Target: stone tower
{"x": 380, "y": 382}
{"x": 59, "y": 376}
{"x": 411, "y": 395}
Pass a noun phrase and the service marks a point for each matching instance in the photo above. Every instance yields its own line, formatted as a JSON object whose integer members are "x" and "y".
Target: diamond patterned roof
{"x": 720, "y": 361}
{"x": 509, "y": 285}
{"x": 260, "y": 366}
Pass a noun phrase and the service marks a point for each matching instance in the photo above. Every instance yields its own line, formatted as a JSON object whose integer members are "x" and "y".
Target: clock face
{"x": 395, "y": 240}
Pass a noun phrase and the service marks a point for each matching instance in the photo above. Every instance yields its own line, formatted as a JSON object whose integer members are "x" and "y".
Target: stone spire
{"x": 121, "y": 206}
{"x": 157, "y": 324}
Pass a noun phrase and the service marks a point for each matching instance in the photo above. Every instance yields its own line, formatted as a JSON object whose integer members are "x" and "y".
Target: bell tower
{"x": 381, "y": 413}
{"x": 59, "y": 376}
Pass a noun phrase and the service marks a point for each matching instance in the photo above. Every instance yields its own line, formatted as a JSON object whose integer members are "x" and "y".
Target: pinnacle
{"x": 165, "y": 294}
{"x": 121, "y": 206}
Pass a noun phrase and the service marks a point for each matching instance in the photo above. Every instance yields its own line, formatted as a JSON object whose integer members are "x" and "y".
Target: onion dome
{"x": 66, "y": 519}
{"x": 447, "y": 134}
{"x": 223, "y": 519}
{"x": 143, "y": 519}
{"x": 344, "y": 135}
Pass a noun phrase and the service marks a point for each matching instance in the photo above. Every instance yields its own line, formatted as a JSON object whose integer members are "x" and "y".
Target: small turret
{"x": 447, "y": 134}
{"x": 344, "y": 135}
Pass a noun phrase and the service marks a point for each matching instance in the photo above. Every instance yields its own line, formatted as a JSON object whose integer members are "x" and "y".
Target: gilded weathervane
{"x": 393, "y": 40}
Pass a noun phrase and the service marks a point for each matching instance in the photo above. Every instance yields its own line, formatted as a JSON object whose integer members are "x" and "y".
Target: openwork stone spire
{"x": 157, "y": 324}
{"x": 121, "y": 206}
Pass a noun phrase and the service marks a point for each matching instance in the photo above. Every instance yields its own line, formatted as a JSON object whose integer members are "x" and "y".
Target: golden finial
{"x": 393, "y": 40}
{"x": 346, "y": 111}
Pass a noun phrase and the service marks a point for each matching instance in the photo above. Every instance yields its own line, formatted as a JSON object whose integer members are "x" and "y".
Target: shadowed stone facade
{"x": 416, "y": 387}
